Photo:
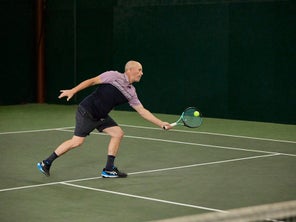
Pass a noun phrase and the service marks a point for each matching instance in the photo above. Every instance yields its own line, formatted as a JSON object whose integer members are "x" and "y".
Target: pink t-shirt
{"x": 120, "y": 81}
{"x": 113, "y": 90}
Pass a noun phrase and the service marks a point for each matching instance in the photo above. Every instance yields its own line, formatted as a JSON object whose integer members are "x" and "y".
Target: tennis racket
{"x": 189, "y": 118}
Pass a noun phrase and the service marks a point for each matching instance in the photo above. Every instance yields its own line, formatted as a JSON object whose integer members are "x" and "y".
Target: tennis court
{"x": 223, "y": 165}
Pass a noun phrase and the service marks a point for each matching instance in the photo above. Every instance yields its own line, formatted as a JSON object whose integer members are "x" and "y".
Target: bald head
{"x": 134, "y": 71}
{"x": 132, "y": 64}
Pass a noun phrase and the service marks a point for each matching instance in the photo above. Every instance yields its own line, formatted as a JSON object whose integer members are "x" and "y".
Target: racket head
{"x": 189, "y": 119}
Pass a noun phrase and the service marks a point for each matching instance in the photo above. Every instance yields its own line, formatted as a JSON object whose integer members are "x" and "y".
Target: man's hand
{"x": 166, "y": 126}
{"x": 66, "y": 93}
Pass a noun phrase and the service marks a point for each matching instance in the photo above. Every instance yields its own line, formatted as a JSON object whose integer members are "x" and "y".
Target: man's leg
{"x": 84, "y": 125}
{"x": 116, "y": 134}
{"x": 75, "y": 141}
{"x": 69, "y": 144}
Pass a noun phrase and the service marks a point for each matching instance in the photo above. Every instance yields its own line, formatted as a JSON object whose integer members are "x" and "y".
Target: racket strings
{"x": 189, "y": 119}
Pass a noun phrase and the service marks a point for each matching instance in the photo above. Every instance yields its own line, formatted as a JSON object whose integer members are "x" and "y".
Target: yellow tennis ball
{"x": 196, "y": 113}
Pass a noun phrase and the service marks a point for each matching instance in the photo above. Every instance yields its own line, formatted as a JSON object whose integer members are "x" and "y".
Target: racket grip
{"x": 172, "y": 124}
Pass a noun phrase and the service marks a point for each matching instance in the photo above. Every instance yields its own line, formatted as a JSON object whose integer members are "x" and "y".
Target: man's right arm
{"x": 69, "y": 93}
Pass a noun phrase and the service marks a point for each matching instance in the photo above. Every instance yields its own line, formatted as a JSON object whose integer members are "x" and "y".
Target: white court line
{"x": 142, "y": 172}
{"x": 34, "y": 131}
{"x": 205, "y": 164}
{"x": 215, "y": 134}
{"x": 48, "y": 184}
{"x": 153, "y": 128}
{"x": 144, "y": 198}
{"x": 65, "y": 129}
{"x": 192, "y": 144}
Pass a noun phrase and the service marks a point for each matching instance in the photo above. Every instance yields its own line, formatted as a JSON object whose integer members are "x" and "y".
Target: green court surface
{"x": 223, "y": 165}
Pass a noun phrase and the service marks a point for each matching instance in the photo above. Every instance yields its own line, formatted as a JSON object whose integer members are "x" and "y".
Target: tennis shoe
{"x": 43, "y": 168}
{"x": 113, "y": 173}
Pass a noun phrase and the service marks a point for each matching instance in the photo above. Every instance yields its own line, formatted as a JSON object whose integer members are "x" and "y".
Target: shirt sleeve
{"x": 108, "y": 77}
{"x": 134, "y": 101}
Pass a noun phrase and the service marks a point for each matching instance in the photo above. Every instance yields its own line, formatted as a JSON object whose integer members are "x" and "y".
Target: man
{"x": 114, "y": 89}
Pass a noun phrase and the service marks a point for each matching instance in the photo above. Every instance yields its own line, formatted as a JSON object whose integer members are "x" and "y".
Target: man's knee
{"x": 120, "y": 133}
{"x": 77, "y": 141}
{"x": 115, "y": 132}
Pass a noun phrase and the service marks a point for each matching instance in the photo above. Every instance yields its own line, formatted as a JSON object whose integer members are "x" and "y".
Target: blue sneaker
{"x": 113, "y": 173}
{"x": 43, "y": 168}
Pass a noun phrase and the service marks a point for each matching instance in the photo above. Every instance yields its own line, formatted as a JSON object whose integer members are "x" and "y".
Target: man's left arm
{"x": 146, "y": 114}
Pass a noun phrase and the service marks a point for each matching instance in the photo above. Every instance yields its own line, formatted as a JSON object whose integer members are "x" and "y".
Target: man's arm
{"x": 146, "y": 114}
{"x": 69, "y": 93}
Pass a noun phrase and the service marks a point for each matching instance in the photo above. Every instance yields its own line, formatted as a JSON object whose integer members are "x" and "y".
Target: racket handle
{"x": 172, "y": 125}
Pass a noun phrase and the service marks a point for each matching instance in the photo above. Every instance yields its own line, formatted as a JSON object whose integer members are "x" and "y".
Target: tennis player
{"x": 114, "y": 89}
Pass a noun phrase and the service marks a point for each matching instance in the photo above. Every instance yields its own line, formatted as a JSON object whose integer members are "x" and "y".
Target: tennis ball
{"x": 196, "y": 113}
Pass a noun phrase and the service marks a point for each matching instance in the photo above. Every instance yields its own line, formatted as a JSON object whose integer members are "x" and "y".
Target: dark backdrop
{"x": 232, "y": 59}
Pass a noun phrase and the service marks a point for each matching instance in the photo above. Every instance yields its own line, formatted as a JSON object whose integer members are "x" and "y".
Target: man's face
{"x": 136, "y": 73}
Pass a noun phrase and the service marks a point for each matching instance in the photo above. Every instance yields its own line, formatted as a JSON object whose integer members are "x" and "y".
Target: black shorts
{"x": 85, "y": 123}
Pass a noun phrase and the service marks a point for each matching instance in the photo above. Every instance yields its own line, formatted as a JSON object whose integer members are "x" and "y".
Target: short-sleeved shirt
{"x": 114, "y": 90}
